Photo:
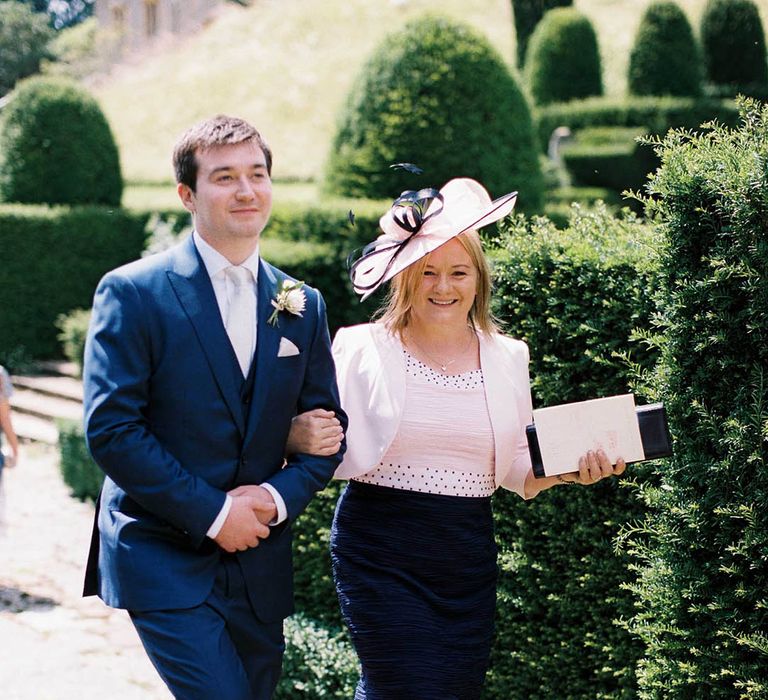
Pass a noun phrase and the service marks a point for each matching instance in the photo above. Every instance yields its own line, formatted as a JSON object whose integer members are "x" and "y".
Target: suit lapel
{"x": 267, "y": 343}
{"x": 502, "y": 406}
{"x": 193, "y": 288}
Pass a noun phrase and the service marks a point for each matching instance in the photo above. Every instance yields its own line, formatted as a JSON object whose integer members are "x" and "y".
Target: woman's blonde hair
{"x": 395, "y": 314}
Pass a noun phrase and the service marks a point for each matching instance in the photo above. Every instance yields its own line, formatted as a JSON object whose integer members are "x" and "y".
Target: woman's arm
{"x": 593, "y": 467}
{"x": 6, "y": 426}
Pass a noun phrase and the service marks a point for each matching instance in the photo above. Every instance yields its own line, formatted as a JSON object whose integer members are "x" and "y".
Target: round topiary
{"x": 436, "y": 95}
{"x": 733, "y": 44}
{"x": 563, "y": 60}
{"x": 527, "y": 14}
{"x": 665, "y": 58}
{"x": 56, "y": 147}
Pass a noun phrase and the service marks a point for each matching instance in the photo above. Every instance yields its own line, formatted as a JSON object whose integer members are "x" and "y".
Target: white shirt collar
{"x": 215, "y": 262}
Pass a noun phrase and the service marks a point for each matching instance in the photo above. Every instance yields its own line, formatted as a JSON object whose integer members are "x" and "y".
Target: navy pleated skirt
{"x": 416, "y": 578}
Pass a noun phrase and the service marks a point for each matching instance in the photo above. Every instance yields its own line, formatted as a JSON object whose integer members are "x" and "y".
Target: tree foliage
{"x": 665, "y": 58}
{"x": 435, "y": 94}
{"x": 24, "y": 38}
{"x": 563, "y": 60}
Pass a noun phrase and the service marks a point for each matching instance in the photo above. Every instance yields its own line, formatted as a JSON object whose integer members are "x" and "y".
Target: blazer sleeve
{"x": 305, "y": 474}
{"x": 117, "y": 370}
{"x": 520, "y": 388}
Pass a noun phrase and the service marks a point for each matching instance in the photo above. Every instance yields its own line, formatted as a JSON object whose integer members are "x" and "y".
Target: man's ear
{"x": 187, "y": 196}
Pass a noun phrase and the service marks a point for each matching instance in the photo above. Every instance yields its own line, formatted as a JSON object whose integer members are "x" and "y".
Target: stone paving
{"x": 54, "y": 644}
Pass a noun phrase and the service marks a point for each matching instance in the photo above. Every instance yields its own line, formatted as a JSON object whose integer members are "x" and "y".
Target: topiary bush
{"x": 665, "y": 58}
{"x": 702, "y": 612}
{"x": 733, "y": 45}
{"x": 563, "y": 61}
{"x": 78, "y": 469}
{"x": 577, "y": 297}
{"x": 527, "y": 14}
{"x": 437, "y": 95}
{"x": 73, "y": 328}
{"x": 56, "y": 147}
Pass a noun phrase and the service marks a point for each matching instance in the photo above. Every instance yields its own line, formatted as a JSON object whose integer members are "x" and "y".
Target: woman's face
{"x": 448, "y": 286}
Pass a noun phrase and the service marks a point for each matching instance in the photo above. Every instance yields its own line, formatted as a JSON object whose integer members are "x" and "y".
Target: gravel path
{"x": 54, "y": 644}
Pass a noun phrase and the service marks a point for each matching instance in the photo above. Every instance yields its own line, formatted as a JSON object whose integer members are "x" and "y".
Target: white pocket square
{"x": 287, "y": 348}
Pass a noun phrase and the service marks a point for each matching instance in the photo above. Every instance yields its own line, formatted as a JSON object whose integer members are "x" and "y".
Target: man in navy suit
{"x": 189, "y": 398}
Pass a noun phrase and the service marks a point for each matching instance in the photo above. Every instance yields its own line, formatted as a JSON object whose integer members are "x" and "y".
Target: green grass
{"x": 287, "y": 66}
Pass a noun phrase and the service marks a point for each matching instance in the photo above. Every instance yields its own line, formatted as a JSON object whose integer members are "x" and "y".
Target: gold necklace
{"x": 442, "y": 365}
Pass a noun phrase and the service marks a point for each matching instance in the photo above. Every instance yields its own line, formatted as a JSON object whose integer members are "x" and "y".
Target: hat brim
{"x": 392, "y": 257}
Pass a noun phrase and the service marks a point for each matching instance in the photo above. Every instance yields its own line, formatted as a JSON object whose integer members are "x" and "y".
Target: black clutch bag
{"x": 654, "y": 434}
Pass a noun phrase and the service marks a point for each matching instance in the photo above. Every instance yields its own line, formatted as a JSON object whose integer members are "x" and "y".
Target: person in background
{"x": 438, "y": 400}
{"x": 11, "y": 458}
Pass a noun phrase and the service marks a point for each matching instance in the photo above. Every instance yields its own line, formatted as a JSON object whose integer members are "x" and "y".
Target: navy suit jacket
{"x": 165, "y": 421}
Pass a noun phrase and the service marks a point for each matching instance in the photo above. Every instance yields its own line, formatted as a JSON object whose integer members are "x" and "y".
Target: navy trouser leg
{"x": 218, "y": 649}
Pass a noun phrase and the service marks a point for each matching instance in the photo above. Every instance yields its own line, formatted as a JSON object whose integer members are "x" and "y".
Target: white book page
{"x": 568, "y": 431}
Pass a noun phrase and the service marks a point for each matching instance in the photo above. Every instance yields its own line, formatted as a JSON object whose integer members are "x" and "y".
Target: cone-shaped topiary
{"x": 56, "y": 147}
{"x": 733, "y": 44}
{"x": 436, "y": 95}
{"x": 665, "y": 58}
{"x": 527, "y": 14}
{"x": 563, "y": 61}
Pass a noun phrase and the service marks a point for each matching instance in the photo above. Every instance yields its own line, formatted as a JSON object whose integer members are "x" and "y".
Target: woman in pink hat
{"x": 438, "y": 401}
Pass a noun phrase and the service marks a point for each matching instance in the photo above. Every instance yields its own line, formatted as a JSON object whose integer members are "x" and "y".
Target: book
{"x": 561, "y": 434}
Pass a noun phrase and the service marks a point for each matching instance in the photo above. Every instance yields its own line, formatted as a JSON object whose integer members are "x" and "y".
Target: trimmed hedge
{"x": 733, "y": 44}
{"x": 52, "y": 260}
{"x": 665, "y": 58}
{"x": 609, "y": 156}
{"x": 657, "y": 114}
{"x": 702, "y": 552}
{"x": 56, "y": 147}
{"x": 437, "y": 95}
{"x": 563, "y": 61}
{"x": 576, "y": 296}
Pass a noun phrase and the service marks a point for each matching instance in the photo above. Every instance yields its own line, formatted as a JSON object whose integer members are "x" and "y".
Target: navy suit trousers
{"x": 218, "y": 649}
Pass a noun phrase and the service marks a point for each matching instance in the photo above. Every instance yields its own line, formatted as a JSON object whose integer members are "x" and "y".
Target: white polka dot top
{"x": 444, "y": 443}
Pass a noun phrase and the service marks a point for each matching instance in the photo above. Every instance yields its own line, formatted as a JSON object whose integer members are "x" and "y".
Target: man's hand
{"x": 243, "y": 527}
{"x": 262, "y": 503}
{"x": 316, "y": 432}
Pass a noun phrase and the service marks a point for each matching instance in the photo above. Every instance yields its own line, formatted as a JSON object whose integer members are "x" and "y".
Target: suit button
{"x": 247, "y": 399}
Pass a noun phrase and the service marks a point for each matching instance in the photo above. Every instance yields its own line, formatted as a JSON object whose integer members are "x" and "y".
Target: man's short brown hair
{"x": 220, "y": 130}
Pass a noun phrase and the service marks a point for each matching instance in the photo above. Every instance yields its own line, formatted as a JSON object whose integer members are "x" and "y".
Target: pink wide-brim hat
{"x": 410, "y": 232}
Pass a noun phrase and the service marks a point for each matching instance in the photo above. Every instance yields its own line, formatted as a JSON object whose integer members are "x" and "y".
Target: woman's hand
{"x": 593, "y": 467}
{"x": 316, "y": 432}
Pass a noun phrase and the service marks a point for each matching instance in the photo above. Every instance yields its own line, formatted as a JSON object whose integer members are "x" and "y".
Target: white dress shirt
{"x": 216, "y": 264}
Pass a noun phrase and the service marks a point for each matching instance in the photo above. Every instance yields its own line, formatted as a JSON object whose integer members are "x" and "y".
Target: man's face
{"x": 233, "y": 196}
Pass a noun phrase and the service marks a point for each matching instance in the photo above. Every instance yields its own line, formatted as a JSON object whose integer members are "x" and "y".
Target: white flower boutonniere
{"x": 290, "y": 298}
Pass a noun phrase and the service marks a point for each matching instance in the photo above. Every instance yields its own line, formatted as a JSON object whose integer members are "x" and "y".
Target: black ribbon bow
{"x": 409, "y": 212}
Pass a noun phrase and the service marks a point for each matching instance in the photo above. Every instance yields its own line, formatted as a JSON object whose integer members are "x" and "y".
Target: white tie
{"x": 241, "y": 315}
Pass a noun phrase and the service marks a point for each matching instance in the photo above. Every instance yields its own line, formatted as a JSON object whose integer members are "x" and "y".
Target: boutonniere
{"x": 290, "y": 298}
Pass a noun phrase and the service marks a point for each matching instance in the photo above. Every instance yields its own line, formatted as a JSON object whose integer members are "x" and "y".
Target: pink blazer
{"x": 370, "y": 368}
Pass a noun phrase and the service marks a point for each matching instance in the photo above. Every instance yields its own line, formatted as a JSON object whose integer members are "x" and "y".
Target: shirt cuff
{"x": 217, "y": 524}
{"x": 282, "y": 511}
